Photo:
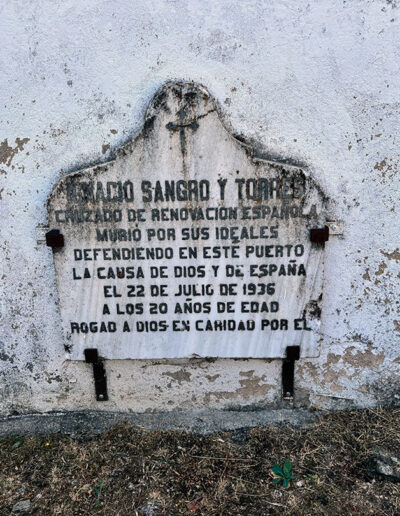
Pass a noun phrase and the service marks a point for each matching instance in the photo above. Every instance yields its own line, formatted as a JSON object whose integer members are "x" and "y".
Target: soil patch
{"x": 128, "y": 471}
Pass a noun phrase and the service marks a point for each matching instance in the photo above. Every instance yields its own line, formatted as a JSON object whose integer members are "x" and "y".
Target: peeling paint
{"x": 381, "y": 269}
{"x": 395, "y": 255}
{"x": 380, "y": 165}
{"x": 366, "y": 275}
{"x": 362, "y": 359}
{"x": 105, "y": 147}
{"x": 179, "y": 376}
{"x": 252, "y": 387}
{"x": 7, "y": 152}
{"x": 212, "y": 378}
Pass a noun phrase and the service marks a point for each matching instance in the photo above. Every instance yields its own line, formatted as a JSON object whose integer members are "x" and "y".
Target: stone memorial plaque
{"x": 188, "y": 244}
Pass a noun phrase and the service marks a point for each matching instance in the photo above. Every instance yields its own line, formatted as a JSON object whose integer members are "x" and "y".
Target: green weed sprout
{"x": 98, "y": 491}
{"x": 282, "y": 475}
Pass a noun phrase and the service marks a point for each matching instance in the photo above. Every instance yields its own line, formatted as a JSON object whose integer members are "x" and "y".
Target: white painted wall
{"x": 316, "y": 81}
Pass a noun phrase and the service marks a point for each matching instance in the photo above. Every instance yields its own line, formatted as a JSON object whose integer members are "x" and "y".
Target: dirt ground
{"x": 127, "y": 471}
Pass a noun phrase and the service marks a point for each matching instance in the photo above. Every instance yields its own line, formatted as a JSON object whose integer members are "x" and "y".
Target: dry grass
{"x": 166, "y": 473}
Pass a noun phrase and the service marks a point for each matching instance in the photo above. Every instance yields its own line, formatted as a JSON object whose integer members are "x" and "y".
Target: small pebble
{"x": 23, "y": 507}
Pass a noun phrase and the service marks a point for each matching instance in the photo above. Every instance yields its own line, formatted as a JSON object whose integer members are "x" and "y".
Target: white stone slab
{"x": 187, "y": 244}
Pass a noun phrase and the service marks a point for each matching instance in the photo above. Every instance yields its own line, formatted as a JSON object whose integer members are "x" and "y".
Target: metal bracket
{"x": 54, "y": 238}
{"x": 320, "y": 235}
{"x": 99, "y": 373}
{"x": 292, "y": 354}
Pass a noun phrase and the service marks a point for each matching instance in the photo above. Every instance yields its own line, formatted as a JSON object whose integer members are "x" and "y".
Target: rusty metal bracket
{"x": 292, "y": 354}
{"x": 54, "y": 238}
{"x": 320, "y": 235}
{"x": 99, "y": 373}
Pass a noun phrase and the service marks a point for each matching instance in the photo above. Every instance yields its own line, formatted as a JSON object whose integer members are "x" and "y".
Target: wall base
{"x": 197, "y": 421}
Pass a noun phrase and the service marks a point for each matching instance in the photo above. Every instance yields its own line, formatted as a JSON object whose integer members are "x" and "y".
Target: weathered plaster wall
{"x": 316, "y": 81}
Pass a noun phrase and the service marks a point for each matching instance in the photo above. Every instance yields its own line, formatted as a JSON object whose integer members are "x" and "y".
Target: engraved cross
{"x": 171, "y": 126}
